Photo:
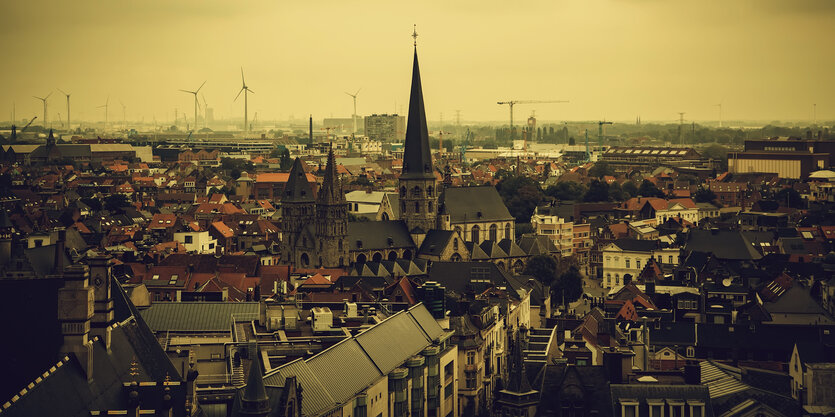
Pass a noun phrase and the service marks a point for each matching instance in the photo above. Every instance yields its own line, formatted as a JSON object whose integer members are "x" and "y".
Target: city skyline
{"x": 611, "y": 59}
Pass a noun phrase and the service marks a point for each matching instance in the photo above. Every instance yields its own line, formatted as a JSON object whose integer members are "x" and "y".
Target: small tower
{"x": 417, "y": 184}
{"x": 100, "y": 277}
{"x": 331, "y": 219}
{"x": 254, "y": 400}
{"x": 297, "y": 211}
{"x": 518, "y": 398}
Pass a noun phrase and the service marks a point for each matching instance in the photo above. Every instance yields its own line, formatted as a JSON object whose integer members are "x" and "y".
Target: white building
{"x": 364, "y": 202}
{"x": 197, "y": 242}
{"x": 629, "y": 256}
{"x": 560, "y": 232}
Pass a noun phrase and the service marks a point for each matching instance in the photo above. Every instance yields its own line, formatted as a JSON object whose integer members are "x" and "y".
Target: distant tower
{"x": 297, "y": 211}
{"x": 331, "y": 219}
{"x": 103, "y": 318}
{"x": 518, "y": 398}
{"x": 417, "y": 182}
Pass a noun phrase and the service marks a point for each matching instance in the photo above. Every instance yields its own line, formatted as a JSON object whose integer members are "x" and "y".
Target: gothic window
{"x": 507, "y": 230}
{"x": 474, "y": 232}
{"x": 416, "y": 191}
{"x": 429, "y": 207}
{"x": 402, "y": 206}
{"x": 402, "y": 192}
{"x": 377, "y": 257}
{"x": 392, "y": 256}
{"x": 455, "y": 257}
{"x": 305, "y": 260}
{"x": 455, "y": 243}
{"x": 417, "y": 207}
{"x": 340, "y": 244}
{"x": 429, "y": 191}
{"x": 407, "y": 254}
{"x": 518, "y": 267}
{"x": 494, "y": 232}
{"x": 361, "y": 258}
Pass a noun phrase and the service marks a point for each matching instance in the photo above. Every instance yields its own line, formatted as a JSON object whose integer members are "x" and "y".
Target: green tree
{"x": 648, "y": 189}
{"x": 616, "y": 192}
{"x": 790, "y": 197}
{"x": 704, "y": 195}
{"x": 568, "y": 285}
{"x": 601, "y": 169}
{"x": 566, "y": 190}
{"x": 598, "y": 191}
{"x": 571, "y": 141}
{"x": 521, "y": 195}
{"x": 629, "y": 189}
{"x": 717, "y": 153}
{"x": 543, "y": 268}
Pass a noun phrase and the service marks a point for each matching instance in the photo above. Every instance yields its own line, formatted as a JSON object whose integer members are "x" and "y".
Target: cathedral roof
{"x": 417, "y": 157}
{"x": 297, "y": 188}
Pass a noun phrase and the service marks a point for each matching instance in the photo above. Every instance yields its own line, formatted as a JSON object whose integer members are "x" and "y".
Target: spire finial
{"x": 414, "y": 34}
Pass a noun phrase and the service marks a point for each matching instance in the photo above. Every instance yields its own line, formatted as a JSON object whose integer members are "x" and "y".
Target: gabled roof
{"x": 474, "y": 204}
{"x": 298, "y": 187}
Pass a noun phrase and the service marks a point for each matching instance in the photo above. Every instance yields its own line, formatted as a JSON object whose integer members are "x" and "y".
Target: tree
{"x": 543, "y": 268}
{"x": 568, "y": 285}
{"x": 629, "y": 189}
{"x": 285, "y": 162}
{"x": 704, "y": 195}
{"x": 521, "y": 195}
{"x": 598, "y": 191}
{"x": 790, "y": 197}
{"x": 717, "y": 153}
{"x": 566, "y": 190}
{"x": 571, "y": 141}
{"x": 648, "y": 189}
{"x": 601, "y": 169}
{"x": 616, "y": 192}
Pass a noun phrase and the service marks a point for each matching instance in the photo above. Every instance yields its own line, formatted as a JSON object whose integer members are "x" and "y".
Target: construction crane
{"x": 464, "y": 145}
{"x": 600, "y": 134}
{"x": 28, "y": 124}
{"x": 511, "y": 103}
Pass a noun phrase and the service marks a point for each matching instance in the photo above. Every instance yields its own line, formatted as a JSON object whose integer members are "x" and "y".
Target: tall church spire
{"x": 297, "y": 187}
{"x": 417, "y": 157}
{"x": 254, "y": 400}
{"x": 331, "y": 191}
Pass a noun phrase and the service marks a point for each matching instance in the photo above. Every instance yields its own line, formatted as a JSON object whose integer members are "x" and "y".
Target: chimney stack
{"x": 692, "y": 373}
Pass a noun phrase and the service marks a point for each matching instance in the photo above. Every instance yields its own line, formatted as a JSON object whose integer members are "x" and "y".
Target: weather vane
{"x": 414, "y": 34}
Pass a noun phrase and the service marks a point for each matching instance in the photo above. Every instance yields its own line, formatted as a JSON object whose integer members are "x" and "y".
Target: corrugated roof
{"x": 196, "y": 316}
{"x": 349, "y": 364}
{"x": 388, "y": 352}
{"x": 719, "y": 382}
{"x": 316, "y": 397}
{"x": 425, "y": 320}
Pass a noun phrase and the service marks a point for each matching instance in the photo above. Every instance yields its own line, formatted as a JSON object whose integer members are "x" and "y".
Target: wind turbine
{"x": 196, "y": 103}
{"x": 68, "y": 107}
{"x": 205, "y": 110}
{"x": 354, "y": 117}
{"x": 720, "y": 111}
{"x": 245, "y": 90}
{"x": 105, "y": 106}
{"x": 44, "y": 106}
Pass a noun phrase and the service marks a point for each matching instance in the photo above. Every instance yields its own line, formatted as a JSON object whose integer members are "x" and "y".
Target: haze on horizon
{"x": 613, "y": 59}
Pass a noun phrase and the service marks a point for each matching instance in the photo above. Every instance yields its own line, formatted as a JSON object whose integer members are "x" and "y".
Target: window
{"x": 691, "y": 351}
{"x": 449, "y": 369}
{"x": 470, "y": 358}
{"x": 494, "y": 232}
{"x": 188, "y": 239}
{"x": 455, "y": 243}
{"x": 676, "y": 408}
{"x": 670, "y": 259}
{"x": 629, "y": 408}
{"x": 474, "y": 232}
{"x": 697, "y": 410}
{"x": 656, "y": 408}
{"x": 638, "y": 264}
{"x": 448, "y": 390}
{"x": 627, "y": 262}
{"x": 471, "y": 380}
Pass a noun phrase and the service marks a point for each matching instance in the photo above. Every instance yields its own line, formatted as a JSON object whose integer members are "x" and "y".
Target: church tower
{"x": 417, "y": 183}
{"x": 297, "y": 211}
{"x": 331, "y": 219}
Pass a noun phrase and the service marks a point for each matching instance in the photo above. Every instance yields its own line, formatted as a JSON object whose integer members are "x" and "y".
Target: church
{"x": 425, "y": 219}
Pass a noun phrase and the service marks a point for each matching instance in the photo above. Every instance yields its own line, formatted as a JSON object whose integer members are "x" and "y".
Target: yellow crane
{"x": 511, "y": 103}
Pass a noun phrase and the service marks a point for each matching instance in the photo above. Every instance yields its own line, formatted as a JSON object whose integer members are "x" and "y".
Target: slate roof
{"x": 644, "y": 392}
{"x": 358, "y": 361}
{"x": 298, "y": 187}
{"x": 462, "y": 277}
{"x": 375, "y": 235}
{"x": 728, "y": 390}
{"x": 724, "y": 244}
{"x": 797, "y": 300}
{"x": 474, "y": 204}
{"x": 196, "y": 316}
{"x": 435, "y": 241}
{"x": 636, "y": 245}
{"x": 417, "y": 157}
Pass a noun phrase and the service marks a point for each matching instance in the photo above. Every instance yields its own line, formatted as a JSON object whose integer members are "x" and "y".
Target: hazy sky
{"x": 764, "y": 59}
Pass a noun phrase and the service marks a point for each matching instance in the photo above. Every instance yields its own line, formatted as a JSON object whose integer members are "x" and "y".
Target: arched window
{"x": 402, "y": 206}
{"x": 417, "y": 206}
{"x": 507, "y": 230}
{"x": 392, "y": 256}
{"x": 455, "y": 257}
{"x": 377, "y": 257}
{"x": 458, "y": 230}
{"x": 361, "y": 258}
{"x": 500, "y": 264}
{"x": 407, "y": 254}
{"x": 416, "y": 191}
{"x": 494, "y": 232}
{"x": 402, "y": 192}
{"x": 305, "y": 260}
{"x": 429, "y": 191}
{"x": 455, "y": 243}
{"x": 429, "y": 207}
{"x": 518, "y": 267}
{"x": 474, "y": 233}
{"x": 385, "y": 216}
{"x": 341, "y": 261}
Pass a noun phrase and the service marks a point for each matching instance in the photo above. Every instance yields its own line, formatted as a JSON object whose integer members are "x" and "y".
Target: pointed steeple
{"x": 518, "y": 379}
{"x": 297, "y": 188}
{"x": 417, "y": 157}
{"x": 254, "y": 400}
{"x": 331, "y": 190}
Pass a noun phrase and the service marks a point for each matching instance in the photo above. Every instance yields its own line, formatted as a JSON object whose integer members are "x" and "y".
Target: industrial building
{"x": 385, "y": 127}
{"x": 788, "y": 157}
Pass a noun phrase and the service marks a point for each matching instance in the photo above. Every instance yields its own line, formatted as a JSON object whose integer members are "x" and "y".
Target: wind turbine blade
{"x": 47, "y": 96}
{"x": 247, "y": 89}
{"x": 239, "y": 93}
{"x": 63, "y": 92}
{"x": 242, "y": 76}
{"x": 37, "y": 97}
{"x": 358, "y": 91}
{"x": 201, "y": 86}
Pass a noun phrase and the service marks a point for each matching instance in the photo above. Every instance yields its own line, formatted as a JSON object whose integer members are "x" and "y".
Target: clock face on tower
{"x": 98, "y": 281}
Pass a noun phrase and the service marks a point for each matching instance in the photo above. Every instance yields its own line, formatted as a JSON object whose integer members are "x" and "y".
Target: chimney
{"x": 692, "y": 373}
{"x": 612, "y": 365}
{"x": 75, "y": 309}
{"x": 649, "y": 289}
{"x": 311, "y": 131}
{"x": 100, "y": 277}
{"x": 60, "y": 251}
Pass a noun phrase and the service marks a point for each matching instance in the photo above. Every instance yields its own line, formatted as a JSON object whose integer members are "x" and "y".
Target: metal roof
{"x": 316, "y": 397}
{"x": 388, "y": 352}
{"x": 718, "y": 381}
{"x": 197, "y": 316}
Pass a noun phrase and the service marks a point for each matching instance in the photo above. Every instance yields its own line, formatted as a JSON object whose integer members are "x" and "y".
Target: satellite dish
{"x": 727, "y": 282}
